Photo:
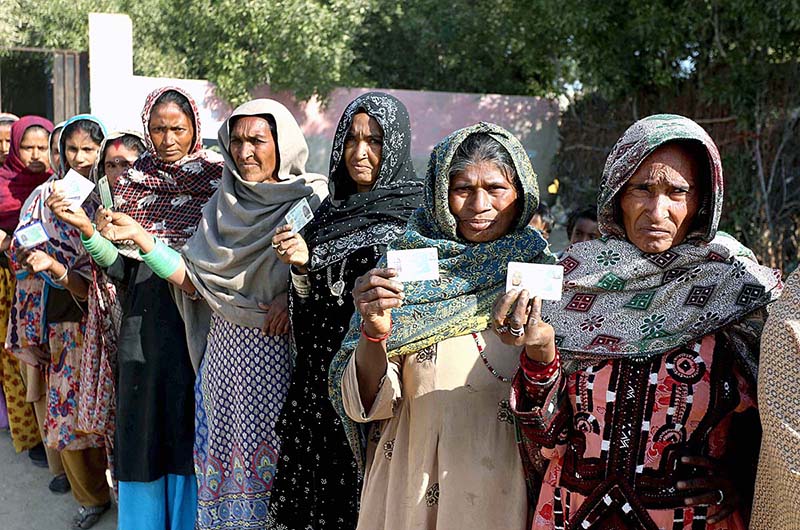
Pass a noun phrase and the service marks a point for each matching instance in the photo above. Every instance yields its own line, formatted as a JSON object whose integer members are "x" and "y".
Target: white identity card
{"x": 31, "y": 235}
{"x": 299, "y": 215}
{"x": 104, "y": 189}
{"x": 544, "y": 281}
{"x": 414, "y": 265}
{"x": 74, "y": 187}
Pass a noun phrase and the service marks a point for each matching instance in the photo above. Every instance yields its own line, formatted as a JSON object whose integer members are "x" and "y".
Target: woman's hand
{"x": 291, "y": 248}
{"x": 67, "y": 212}
{"x": 116, "y": 227}
{"x": 518, "y": 320}
{"x": 36, "y": 261}
{"x": 375, "y": 295}
{"x": 276, "y": 321}
{"x": 712, "y": 490}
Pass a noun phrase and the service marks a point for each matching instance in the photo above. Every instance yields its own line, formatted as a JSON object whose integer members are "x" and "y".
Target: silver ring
{"x": 274, "y": 245}
{"x": 721, "y": 497}
{"x": 501, "y": 329}
{"x": 281, "y": 252}
{"x": 517, "y": 332}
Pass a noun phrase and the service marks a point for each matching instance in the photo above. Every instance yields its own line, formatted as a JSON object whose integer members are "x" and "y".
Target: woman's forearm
{"x": 72, "y": 281}
{"x": 371, "y": 365}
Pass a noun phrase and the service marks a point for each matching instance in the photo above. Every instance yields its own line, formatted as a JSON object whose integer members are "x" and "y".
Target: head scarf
{"x": 98, "y": 170}
{"x": 16, "y": 181}
{"x": 349, "y": 221}
{"x": 622, "y": 303}
{"x": 55, "y": 164}
{"x": 472, "y": 275}
{"x": 229, "y": 259}
{"x": 167, "y": 198}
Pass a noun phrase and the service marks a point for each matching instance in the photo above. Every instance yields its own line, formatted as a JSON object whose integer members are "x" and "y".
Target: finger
{"x": 282, "y": 229}
{"x": 702, "y": 484}
{"x": 377, "y": 293}
{"x": 377, "y": 280}
{"x": 502, "y": 306}
{"x": 380, "y": 305}
{"x": 725, "y": 511}
{"x": 519, "y": 315}
{"x": 282, "y": 236}
{"x": 704, "y": 499}
{"x": 535, "y": 315}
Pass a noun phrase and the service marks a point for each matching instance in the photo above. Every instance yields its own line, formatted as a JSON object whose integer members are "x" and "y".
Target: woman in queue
{"x": 636, "y": 393}
{"x": 418, "y": 364}
{"x": 50, "y": 310}
{"x": 373, "y": 191}
{"x": 244, "y": 374}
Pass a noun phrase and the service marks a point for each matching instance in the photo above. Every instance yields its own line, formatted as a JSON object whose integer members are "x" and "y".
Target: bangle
{"x": 102, "y": 251}
{"x": 301, "y": 283}
{"x": 63, "y": 276}
{"x": 162, "y": 259}
{"x": 376, "y": 339}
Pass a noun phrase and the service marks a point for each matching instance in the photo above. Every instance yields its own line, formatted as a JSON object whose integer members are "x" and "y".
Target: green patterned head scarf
{"x": 472, "y": 275}
{"x": 638, "y": 142}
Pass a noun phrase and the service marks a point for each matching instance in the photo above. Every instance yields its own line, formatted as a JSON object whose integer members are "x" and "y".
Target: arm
{"x": 37, "y": 261}
{"x": 116, "y": 226}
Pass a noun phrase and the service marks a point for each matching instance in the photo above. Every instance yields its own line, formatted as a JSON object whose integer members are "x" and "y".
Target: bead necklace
{"x": 486, "y": 361}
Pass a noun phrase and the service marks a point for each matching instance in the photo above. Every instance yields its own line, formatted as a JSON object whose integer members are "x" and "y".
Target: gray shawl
{"x": 229, "y": 259}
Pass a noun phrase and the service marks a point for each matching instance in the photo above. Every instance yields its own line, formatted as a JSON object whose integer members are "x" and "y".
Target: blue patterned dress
{"x": 240, "y": 390}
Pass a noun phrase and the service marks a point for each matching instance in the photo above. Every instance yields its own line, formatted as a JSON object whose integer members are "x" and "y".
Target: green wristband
{"x": 163, "y": 260}
{"x": 102, "y": 251}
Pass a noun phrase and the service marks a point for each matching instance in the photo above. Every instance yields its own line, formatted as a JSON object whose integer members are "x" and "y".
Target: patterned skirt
{"x": 21, "y": 419}
{"x": 240, "y": 390}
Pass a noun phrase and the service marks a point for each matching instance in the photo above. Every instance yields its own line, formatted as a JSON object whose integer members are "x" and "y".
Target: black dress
{"x": 154, "y": 379}
{"x": 317, "y": 484}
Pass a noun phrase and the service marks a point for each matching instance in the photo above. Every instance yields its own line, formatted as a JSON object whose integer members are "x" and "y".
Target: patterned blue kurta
{"x": 240, "y": 390}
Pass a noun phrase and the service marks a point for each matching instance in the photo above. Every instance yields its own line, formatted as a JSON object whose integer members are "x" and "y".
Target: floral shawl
{"x": 167, "y": 198}
{"x": 622, "y": 303}
{"x": 348, "y": 220}
{"x": 472, "y": 275}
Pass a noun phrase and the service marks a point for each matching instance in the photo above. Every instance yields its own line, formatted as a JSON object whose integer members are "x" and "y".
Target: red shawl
{"x": 16, "y": 181}
{"x": 167, "y": 198}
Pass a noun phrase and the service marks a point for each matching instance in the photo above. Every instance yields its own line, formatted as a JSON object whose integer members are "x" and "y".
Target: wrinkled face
{"x": 253, "y": 149}
{"x": 584, "y": 230}
{"x": 81, "y": 152}
{"x": 362, "y": 151}
{"x": 538, "y": 223}
{"x": 5, "y": 141}
{"x": 483, "y": 201}
{"x": 171, "y": 132}
{"x": 33, "y": 150}
{"x": 117, "y": 160}
{"x": 660, "y": 201}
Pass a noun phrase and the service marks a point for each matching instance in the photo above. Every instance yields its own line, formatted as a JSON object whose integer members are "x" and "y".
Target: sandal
{"x": 88, "y": 516}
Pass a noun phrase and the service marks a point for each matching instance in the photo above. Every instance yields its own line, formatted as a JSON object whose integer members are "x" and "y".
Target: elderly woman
{"x": 49, "y": 310}
{"x": 6, "y": 122}
{"x": 636, "y": 389}
{"x": 164, "y": 191}
{"x": 373, "y": 191}
{"x": 777, "y": 495}
{"x": 418, "y": 365}
{"x": 244, "y": 375}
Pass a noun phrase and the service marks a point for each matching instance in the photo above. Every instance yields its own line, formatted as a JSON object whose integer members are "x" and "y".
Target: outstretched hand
{"x": 518, "y": 321}
{"x": 375, "y": 295}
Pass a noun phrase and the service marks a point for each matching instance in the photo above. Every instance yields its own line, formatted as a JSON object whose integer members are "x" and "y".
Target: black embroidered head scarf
{"x": 348, "y": 221}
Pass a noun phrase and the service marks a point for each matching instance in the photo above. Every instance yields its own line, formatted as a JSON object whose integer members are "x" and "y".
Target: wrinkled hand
{"x": 375, "y": 295}
{"x": 36, "y": 261}
{"x": 276, "y": 321}
{"x": 67, "y": 212}
{"x": 291, "y": 248}
{"x": 515, "y": 310}
{"x": 116, "y": 226}
{"x": 706, "y": 491}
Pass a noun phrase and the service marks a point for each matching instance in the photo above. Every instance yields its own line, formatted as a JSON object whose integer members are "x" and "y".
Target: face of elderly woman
{"x": 484, "y": 202}
{"x": 661, "y": 199}
{"x": 171, "y": 131}
{"x": 253, "y": 149}
{"x": 363, "y": 148}
{"x": 33, "y": 150}
{"x": 5, "y": 141}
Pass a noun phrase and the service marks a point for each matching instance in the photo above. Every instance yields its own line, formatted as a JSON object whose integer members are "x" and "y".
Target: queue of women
{"x": 233, "y": 372}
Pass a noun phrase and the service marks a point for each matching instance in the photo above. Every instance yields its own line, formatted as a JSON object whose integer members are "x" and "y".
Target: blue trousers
{"x": 169, "y": 503}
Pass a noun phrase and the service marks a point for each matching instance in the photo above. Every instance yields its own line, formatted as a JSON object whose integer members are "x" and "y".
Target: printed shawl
{"x": 472, "y": 275}
{"x": 167, "y": 198}
{"x": 17, "y": 181}
{"x": 349, "y": 221}
{"x": 230, "y": 259}
{"x": 622, "y": 303}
